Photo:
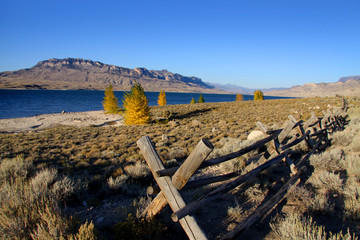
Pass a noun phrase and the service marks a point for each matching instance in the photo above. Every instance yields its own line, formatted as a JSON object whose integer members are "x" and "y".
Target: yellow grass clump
{"x": 137, "y": 111}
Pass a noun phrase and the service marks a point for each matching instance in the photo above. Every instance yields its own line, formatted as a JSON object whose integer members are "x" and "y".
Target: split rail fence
{"x": 278, "y": 144}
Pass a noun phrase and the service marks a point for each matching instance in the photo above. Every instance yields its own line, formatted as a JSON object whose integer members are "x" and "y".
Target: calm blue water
{"x": 28, "y": 103}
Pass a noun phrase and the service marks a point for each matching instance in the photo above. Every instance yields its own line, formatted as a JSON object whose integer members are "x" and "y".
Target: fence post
{"x": 182, "y": 175}
{"x": 173, "y": 197}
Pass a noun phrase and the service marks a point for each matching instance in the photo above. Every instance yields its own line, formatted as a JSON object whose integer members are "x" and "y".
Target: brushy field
{"x": 83, "y": 183}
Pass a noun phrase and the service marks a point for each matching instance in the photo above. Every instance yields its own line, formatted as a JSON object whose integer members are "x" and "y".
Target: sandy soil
{"x": 79, "y": 119}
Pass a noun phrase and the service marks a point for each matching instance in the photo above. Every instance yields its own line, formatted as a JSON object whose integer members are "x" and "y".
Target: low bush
{"x": 141, "y": 229}
{"x": 352, "y": 200}
{"x": 298, "y": 227}
{"x": 330, "y": 161}
{"x": 326, "y": 182}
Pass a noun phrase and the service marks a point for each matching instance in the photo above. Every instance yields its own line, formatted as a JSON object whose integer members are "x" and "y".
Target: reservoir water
{"x": 28, "y": 103}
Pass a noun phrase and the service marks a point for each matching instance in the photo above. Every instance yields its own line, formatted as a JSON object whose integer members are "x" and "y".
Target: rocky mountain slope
{"x": 77, "y": 73}
{"x": 346, "y": 86}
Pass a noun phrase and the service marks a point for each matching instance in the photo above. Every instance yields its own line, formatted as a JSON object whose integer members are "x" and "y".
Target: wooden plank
{"x": 285, "y": 132}
{"x": 219, "y": 191}
{"x": 192, "y": 163}
{"x": 262, "y": 127}
{"x": 173, "y": 197}
{"x": 214, "y": 161}
{"x": 310, "y": 121}
{"x": 205, "y": 181}
{"x": 182, "y": 175}
{"x": 292, "y": 118}
{"x": 267, "y": 207}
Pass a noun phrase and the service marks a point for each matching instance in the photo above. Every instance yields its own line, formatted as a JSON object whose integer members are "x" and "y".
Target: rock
{"x": 256, "y": 134}
{"x": 222, "y": 122}
{"x": 164, "y": 137}
{"x": 195, "y": 123}
{"x": 173, "y": 123}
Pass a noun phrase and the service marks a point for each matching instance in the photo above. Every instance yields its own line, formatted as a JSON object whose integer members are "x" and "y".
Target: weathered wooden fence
{"x": 278, "y": 143}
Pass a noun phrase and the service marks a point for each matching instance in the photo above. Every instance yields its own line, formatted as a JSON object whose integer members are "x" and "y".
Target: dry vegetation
{"x": 71, "y": 183}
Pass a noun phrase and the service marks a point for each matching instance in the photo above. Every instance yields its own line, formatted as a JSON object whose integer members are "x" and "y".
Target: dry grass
{"x": 297, "y": 227}
{"x": 78, "y": 164}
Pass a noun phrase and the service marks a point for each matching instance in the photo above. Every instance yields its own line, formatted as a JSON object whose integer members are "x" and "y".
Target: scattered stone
{"x": 174, "y": 123}
{"x": 222, "y": 122}
{"x": 195, "y": 123}
{"x": 164, "y": 137}
{"x": 256, "y": 134}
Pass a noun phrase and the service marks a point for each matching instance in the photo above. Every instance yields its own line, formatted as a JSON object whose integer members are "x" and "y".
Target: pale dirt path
{"x": 78, "y": 119}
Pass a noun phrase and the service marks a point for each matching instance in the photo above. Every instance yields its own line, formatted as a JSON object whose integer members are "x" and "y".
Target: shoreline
{"x": 45, "y": 121}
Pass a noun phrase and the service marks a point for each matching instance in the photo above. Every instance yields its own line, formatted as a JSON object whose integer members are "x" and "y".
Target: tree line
{"x": 136, "y": 109}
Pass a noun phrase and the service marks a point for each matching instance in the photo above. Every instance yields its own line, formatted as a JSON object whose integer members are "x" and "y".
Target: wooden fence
{"x": 278, "y": 144}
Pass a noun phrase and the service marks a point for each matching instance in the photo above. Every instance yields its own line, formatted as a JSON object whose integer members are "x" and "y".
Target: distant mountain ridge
{"x": 232, "y": 88}
{"x": 78, "y": 73}
{"x": 345, "y": 86}
{"x": 344, "y": 79}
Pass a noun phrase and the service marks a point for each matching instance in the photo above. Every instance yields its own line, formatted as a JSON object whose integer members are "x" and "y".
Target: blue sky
{"x": 254, "y": 43}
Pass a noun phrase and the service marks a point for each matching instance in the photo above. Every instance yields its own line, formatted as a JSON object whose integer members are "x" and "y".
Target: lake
{"x": 28, "y": 103}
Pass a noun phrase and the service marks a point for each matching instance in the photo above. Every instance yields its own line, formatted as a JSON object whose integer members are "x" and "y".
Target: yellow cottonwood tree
{"x": 110, "y": 102}
{"x": 258, "y": 95}
{"x": 135, "y": 103}
{"x": 239, "y": 97}
{"x": 162, "y": 98}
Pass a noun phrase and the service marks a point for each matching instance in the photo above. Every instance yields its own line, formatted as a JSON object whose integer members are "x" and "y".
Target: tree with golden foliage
{"x": 239, "y": 97}
{"x": 201, "y": 99}
{"x": 162, "y": 98}
{"x": 110, "y": 102}
{"x": 136, "y": 106}
{"x": 193, "y": 101}
{"x": 258, "y": 95}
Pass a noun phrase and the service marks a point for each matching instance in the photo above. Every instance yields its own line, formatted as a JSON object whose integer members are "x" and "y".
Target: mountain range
{"x": 233, "y": 88}
{"x": 345, "y": 86}
{"x": 78, "y": 73}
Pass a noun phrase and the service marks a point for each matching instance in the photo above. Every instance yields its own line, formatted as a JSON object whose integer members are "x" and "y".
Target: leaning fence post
{"x": 173, "y": 197}
{"x": 182, "y": 175}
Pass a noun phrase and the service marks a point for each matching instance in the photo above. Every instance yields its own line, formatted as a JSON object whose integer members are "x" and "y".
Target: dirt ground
{"x": 41, "y": 122}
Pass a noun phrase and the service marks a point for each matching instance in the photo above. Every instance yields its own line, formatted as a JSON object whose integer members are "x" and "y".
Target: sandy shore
{"x": 79, "y": 119}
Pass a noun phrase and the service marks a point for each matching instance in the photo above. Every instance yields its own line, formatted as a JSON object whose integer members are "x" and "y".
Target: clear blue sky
{"x": 253, "y": 43}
